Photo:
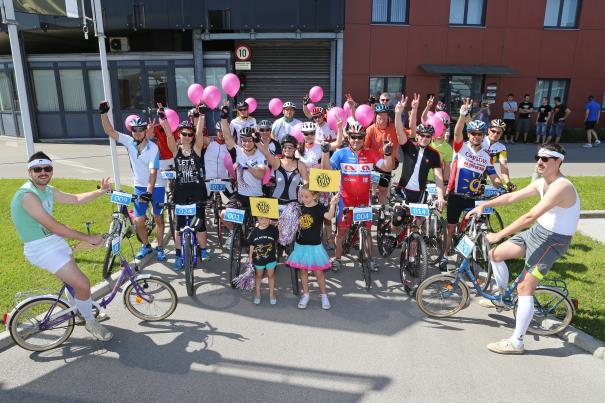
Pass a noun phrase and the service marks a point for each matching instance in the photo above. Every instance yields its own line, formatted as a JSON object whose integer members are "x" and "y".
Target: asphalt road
{"x": 371, "y": 346}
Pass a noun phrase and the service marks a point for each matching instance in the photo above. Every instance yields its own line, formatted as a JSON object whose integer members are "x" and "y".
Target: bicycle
{"x": 169, "y": 175}
{"x": 45, "y": 321}
{"x": 215, "y": 203}
{"x": 188, "y": 242}
{"x": 412, "y": 269}
{"x": 435, "y": 229}
{"x": 358, "y": 235}
{"x": 242, "y": 222}
{"x": 122, "y": 223}
{"x": 444, "y": 295}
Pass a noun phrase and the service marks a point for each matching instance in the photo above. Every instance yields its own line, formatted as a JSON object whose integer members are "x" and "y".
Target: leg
{"x": 202, "y": 239}
{"x": 141, "y": 230}
{"x": 525, "y": 307}
{"x": 271, "y": 277}
{"x": 383, "y": 194}
{"x": 304, "y": 279}
{"x": 159, "y": 229}
{"x": 499, "y": 255}
{"x": 340, "y": 237}
{"x": 71, "y": 275}
{"x": 259, "y": 280}
{"x": 321, "y": 281}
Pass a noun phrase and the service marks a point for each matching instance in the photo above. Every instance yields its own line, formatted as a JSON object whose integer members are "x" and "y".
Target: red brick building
{"x": 458, "y": 48}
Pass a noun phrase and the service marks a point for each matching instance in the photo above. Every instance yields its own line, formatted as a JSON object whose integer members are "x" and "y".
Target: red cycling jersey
{"x": 355, "y": 174}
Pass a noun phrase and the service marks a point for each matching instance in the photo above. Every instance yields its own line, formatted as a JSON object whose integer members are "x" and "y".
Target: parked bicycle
{"x": 242, "y": 223}
{"x": 215, "y": 203}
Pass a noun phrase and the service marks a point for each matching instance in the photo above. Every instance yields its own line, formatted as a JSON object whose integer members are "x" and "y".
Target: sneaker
{"x": 505, "y": 346}
{"x": 178, "y": 264}
{"x": 373, "y": 266}
{"x": 257, "y": 301}
{"x": 325, "y": 302}
{"x": 205, "y": 255}
{"x": 272, "y": 300}
{"x": 587, "y": 145}
{"x": 597, "y": 141}
{"x": 160, "y": 255}
{"x": 101, "y": 317}
{"x": 336, "y": 264}
{"x": 144, "y": 251}
{"x": 303, "y": 302}
{"x": 487, "y": 303}
{"x": 98, "y": 331}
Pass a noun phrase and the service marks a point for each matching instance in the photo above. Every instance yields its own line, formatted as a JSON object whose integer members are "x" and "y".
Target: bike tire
{"x": 553, "y": 312}
{"x": 294, "y": 275}
{"x": 433, "y": 292}
{"x": 412, "y": 274}
{"x": 33, "y": 311}
{"x": 188, "y": 263}
{"x": 363, "y": 259}
{"x": 494, "y": 222}
{"x": 436, "y": 239}
{"x": 235, "y": 255}
{"x": 217, "y": 217}
{"x": 109, "y": 259}
{"x": 381, "y": 233}
{"x": 171, "y": 220}
{"x": 163, "y": 303}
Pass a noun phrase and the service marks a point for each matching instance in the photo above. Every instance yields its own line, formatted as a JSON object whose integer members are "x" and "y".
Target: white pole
{"x": 98, "y": 19}
{"x": 9, "y": 14}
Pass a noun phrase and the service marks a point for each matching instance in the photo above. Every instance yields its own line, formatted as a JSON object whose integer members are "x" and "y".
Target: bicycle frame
{"x": 465, "y": 270}
{"x": 187, "y": 229}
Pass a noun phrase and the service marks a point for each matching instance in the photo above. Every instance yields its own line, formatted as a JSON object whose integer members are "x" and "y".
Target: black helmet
{"x": 186, "y": 124}
{"x": 289, "y": 139}
{"x": 242, "y": 105}
{"x": 246, "y": 132}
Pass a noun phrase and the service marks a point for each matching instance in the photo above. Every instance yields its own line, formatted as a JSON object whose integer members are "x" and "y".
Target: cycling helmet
{"x": 445, "y": 121}
{"x": 218, "y": 127}
{"x": 290, "y": 140}
{"x": 308, "y": 127}
{"x": 440, "y": 106}
{"x": 498, "y": 123}
{"x": 356, "y": 128}
{"x": 264, "y": 124}
{"x": 137, "y": 122}
{"x": 246, "y": 132}
{"x": 242, "y": 105}
{"x": 289, "y": 104}
{"x": 186, "y": 124}
{"x": 330, "y": 105}
{"x": 425, "y": 128}
{"x": 476, "y": 126}
{"x": 317, "y": 111}
{"x": 381, "y": 108}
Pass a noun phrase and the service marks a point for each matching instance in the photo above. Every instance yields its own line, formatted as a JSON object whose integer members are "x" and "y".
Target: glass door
{"x": 453, "y": 89}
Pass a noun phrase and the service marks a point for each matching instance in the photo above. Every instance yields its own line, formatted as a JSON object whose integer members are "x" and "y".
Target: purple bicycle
{"x": 45, "y": 321}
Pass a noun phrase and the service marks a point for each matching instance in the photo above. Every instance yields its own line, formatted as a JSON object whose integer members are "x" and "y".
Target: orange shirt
{"x": 375, "y": 138}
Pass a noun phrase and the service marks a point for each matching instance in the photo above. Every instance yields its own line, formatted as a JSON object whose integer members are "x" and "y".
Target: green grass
{"x": 17, "y": 274}
{"x": 583, "y": 266}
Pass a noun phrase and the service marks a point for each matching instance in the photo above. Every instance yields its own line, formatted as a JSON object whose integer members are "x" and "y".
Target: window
{"x": 6, "y": 100}
{"x": 158, "y": 87}
{"x": 561, "y": 13}
{"x": 129, "y": 88}
{"x": 550, "y": 89}
{"x": 603, "y": 103}
{"x": 72, "y": 89}
{"x": 214, "y": 75}
{"x": 390, "y": 11}
{"x": 46, "y": 90}
{"x": 95, "y": 82}
{"x": 184, "y": 78}
{"x": 467, "y": 12}
{"x": 392, "y": 85}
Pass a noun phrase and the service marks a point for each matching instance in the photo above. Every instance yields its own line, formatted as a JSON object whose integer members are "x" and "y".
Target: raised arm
{"x": 306, "y": 110}
{"x": 272, "y": 160}
{"x": 427, "y": 108}
{"x": 81, "y": 198}
{"x": 200, "y": 125}
{"x": 414, "y": 115}
{"x": 463, "y": 119}
{"x": 229, "y": 142}
{"x": 340, "y": 135}
{"x": 399, "y": 109}
{"x": 170, "y": 141}
{"x": 107, "y": 126}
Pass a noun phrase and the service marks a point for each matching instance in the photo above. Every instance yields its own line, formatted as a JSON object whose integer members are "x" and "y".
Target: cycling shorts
{"x": 456, "y": 205}
{"x": 157, "y": 197}
{"x": 50, "y": 253}
{"x": 200, "y": 213}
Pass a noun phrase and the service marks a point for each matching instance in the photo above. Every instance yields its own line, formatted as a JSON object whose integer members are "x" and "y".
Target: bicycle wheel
{"x": 109, "y": 259}
{"x": 157, "y": 300}
{"x": 480, "y": 264}
{"x": 171, "y": 224}
{"x": 553, "y": 312}
{"x": 235, "y": 255}
{"x": 188, "y": 260}
{"x": 494, "y": 222}
{"x": 217, "y": 217}
{"x": 436, "y": 239}
{"x": 385, "y": 242}
{"x": 441, "y": 295}
{"x": 364, "y": 260}
{"x": 413, "y": 268}
{"x": 25, "y": 325}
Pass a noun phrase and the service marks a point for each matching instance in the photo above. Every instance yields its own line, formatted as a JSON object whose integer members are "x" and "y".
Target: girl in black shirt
{"x": 263, "y": 243}
{"x": 309, "y": 254}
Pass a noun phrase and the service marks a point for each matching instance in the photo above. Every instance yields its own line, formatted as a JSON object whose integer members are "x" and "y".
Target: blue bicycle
{"x": 443, "y": 295}
{"x": 188, "y": 241}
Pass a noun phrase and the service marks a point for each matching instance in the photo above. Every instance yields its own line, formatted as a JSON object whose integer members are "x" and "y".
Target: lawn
{"x": 17, "y": 274}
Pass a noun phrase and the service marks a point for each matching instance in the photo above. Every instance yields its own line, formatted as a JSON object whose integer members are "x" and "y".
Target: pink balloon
{"x": 334, "y": 114}
{"x": 316, "y": 93}
{"x": 230, "y": 84}
{"x": 275, "y": 106}
{"x": 297, "y": 132}
{"x": 443, "y": 115}
{"x": 347, "y": 109}
{"x": 127, "y": 121}
{"x": 212, "y": 96}
{"x": 251, "y": 104}
{"x": 173, "y": 118}
{"x": 310, "y": 106}
{"x": 364, "y": 115}
{"x": 195, "y": 93}
{"x": 228, "y": 162}
{"x": 437, "y": 123}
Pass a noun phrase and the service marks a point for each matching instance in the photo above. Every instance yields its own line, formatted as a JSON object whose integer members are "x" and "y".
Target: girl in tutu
{"x": 309, "y": 254}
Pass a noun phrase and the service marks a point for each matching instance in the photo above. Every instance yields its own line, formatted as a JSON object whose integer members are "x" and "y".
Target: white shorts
{"x": 164, "y": 164}
{"x": 50, "y": 253}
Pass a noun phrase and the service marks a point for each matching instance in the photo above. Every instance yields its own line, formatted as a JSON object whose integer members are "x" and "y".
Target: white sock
{"x": 500, "y": 270}
{"x": 85, "y": 308}
{"x": 525, "y": 313}
{"x": 70, "y": 298}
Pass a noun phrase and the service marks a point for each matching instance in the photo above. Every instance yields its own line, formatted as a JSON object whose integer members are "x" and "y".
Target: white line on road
{"x": 72, "y": 163}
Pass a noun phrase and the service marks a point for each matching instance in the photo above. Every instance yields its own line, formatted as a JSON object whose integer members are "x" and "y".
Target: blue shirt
{"x": 593, "y": 108}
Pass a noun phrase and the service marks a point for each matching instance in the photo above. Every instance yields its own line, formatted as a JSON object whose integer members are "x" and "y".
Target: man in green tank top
{"x": 43, "y": 240}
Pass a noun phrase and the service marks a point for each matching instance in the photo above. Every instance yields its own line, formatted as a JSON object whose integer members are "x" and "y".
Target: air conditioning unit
{"x": 119, "y": 44}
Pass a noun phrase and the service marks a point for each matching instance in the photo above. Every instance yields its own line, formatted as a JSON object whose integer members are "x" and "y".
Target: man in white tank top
{"x": 555, "y": 219}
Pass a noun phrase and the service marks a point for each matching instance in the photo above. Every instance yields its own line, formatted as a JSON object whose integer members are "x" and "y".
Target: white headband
{"x": 35, "y": 163}
{"x": 550, "y": 153}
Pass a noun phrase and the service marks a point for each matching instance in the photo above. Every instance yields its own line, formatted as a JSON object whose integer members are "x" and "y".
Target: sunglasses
{"x": 40, "y": 169}
{"x": 242, "y": 110}
{"x": 138, "y": 129}
{"x": 247, "y": 140}
{"x": 542, "y": 158}
{"x": 316, "y": 117}
{"x": 309, "y": 134}
{"x": 385, "y": 100}
{"x": 187, "y": 134}
{"x": 476, "y": 133}
{"x": 264, "y": 130}
{"x": 357, "y": 137}
{"x": 426, "y": 136}
{"x": 288, "y": 148}
{"x": 496, "y": 131}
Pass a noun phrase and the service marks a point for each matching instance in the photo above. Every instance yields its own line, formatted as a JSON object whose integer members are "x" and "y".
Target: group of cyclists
{"x": 265, "y": 159}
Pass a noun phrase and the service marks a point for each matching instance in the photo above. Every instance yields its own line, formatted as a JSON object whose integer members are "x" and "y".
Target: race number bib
{"x": 168, "y": 174}
{"x": 490, "y": 191}
{"x": 234, "y": 215}
{"x": 431, "y": 188}
{"x": 419, "y": 210}
{"x": 375, "y": 177}
{"x": 121, "y": 198}
{"x": 487, "y": 210}
{"x": 116, "y": 243}
{"x": 185, "y": 209}
{"x": 361, "y": 214}
{"x": 217, "y": 186}
{"x": 465, "y": 246}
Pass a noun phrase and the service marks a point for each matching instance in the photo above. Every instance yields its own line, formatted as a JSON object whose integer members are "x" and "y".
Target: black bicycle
{"x": 242, "y": 223}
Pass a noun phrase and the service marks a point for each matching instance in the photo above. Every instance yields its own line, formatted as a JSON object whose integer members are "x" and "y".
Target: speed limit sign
{"x": 243, "y": 52}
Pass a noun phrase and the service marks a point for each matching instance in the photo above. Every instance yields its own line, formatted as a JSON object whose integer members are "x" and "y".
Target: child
{"x": 263, "y": 242}
{"x": 309, "y": 254}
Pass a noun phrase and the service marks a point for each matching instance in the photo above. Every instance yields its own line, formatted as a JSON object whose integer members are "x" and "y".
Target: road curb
{"x": 584, "y": 341}
{"x": 592, "y": 214}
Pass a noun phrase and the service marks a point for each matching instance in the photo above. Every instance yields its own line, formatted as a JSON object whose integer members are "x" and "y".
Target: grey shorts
{"x": 522, "y": 125}
{"x": 542, "y": 248}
